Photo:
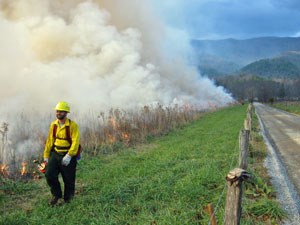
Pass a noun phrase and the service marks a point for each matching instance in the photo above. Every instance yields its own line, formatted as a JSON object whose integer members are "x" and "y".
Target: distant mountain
{"x": 276, "y": 67}
{"x": 228, "y": 55}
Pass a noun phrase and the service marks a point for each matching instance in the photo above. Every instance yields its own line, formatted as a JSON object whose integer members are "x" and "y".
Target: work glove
{"x": 46, "y": 160}
{"x": 42, "y": 167}
{"x": 66, "y": 160}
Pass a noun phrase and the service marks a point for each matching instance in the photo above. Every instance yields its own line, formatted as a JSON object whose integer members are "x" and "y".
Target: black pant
{"x": 54, "y": 167}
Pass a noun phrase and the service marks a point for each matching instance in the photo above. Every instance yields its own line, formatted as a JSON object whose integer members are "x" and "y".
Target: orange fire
{"x": 24, "y": 173}
{"x": 24, "y": 168}
{"x": 125, "y": 137}
{"x": 4, "y": 170}
{"x": 111, "y": 139}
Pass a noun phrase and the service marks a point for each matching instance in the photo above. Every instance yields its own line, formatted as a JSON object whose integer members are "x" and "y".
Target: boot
{"x": 53, "y": 201}
{"x": 68, "y": 199}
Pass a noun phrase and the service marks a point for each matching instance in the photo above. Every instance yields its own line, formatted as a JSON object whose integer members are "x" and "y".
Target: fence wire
{"x": 233, "y": 158}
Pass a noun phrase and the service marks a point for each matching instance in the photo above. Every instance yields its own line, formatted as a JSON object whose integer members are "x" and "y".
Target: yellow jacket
{"x": 61, "y": 138}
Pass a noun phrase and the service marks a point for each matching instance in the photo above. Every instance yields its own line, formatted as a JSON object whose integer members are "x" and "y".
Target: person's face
{"x": 61, "y": 114}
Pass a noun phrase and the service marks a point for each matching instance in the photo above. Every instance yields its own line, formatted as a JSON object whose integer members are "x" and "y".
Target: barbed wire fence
{"x": 235, "y": 178}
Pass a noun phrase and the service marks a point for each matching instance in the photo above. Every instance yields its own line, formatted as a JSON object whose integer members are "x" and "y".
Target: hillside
{"x": 280, "y": 67}
{"x": 291, "y": 56}
{"x": 266, "y": 79}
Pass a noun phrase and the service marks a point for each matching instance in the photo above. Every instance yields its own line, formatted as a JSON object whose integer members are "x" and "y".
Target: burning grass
{"x": 102, "y": 133}
{"x": 118, "y": 128}
{"x": 26, "y": 171}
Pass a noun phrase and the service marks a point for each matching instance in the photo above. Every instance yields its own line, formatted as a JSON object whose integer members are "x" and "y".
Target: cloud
{"x": 233, "y": 18}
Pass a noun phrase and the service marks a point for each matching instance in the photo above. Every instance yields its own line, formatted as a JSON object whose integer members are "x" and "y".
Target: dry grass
{"x": 123, "y": 128}
{"x": 108, "y": 132}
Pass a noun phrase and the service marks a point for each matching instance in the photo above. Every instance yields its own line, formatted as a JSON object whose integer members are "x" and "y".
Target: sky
{"x": 240, "y": 19}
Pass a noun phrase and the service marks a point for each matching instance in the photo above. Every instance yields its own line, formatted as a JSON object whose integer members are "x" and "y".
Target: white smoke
{"x": 96, "y": 55}
{"x": 80, "y": 56}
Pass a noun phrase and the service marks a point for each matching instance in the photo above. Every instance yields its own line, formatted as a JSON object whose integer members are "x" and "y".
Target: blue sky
{"x": 217, "y": 19}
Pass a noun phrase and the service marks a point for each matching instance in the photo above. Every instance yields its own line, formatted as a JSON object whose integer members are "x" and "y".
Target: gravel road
{"x": 281, "y": 132}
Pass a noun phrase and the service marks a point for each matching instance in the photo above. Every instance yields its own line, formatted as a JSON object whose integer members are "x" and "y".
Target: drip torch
{"x": 41, "y": 166}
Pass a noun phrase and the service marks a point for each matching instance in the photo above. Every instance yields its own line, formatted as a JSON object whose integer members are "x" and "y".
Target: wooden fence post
{"x": 247, "y": 125}
{"x": 250, "y": 109}
{"x": 249, "y": 118}
{"x": 244, "y": 146}
{"x": 236, "y": 177}
{"x": 234, "y": 185}
{"x": 234, "y": 196}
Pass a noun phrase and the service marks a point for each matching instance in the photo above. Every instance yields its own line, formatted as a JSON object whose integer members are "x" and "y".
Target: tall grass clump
{"x": 118, "y": 128}
{"x": 3, "y": 141}
{"x": 23, "y": 141}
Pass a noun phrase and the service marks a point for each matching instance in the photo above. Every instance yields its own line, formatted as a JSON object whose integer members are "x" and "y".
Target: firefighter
{"x": 60, "y": 154}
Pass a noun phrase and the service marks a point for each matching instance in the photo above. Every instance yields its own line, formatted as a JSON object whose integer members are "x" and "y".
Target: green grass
{"x": 292, "y": 107}
{"x": 259, "y": 199}
{"x": 169, "y": 180}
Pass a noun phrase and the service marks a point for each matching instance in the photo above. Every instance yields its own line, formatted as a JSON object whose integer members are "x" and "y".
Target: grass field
{"x": 292, "y": 107}
{"x": 168, "y": 180}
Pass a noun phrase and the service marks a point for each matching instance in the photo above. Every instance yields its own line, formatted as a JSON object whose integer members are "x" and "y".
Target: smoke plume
{"x": 96, "y": 55}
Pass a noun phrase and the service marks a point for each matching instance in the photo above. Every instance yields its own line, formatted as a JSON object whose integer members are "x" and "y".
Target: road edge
{"x": 286, "y": 192}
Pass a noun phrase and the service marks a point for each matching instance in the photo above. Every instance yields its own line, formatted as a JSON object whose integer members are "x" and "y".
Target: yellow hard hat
{"x": 62, "y": 106}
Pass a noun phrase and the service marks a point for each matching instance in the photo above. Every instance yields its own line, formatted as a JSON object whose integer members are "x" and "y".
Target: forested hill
{"x": 286, "y": 66}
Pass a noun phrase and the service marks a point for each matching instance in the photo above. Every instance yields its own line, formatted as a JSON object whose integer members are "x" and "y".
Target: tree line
{"x": 247, "y": 87}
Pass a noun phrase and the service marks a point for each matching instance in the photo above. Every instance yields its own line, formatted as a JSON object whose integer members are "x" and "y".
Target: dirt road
{"x": 283, "y": 131}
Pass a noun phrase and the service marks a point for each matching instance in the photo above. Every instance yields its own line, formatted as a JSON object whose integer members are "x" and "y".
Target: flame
{"x": 4, "y": 170}
{"x": 111, "y": 139}
{"x": 24, "y": 173}
{"x": 24, "y": 168}
{"x": 125, "y": 137}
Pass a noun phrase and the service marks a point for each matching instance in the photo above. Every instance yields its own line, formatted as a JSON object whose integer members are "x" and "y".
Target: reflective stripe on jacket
{"x": 61, "y": 141}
